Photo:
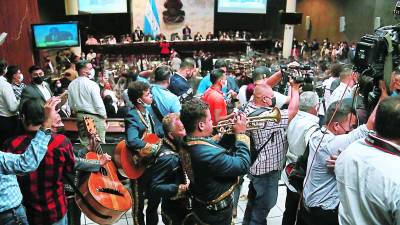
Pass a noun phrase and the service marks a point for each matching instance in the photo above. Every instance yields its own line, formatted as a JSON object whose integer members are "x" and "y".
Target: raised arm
{"x": 31, "y": 158}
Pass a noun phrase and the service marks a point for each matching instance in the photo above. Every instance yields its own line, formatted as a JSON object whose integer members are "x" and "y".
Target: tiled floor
{"x": 274, "y": 217}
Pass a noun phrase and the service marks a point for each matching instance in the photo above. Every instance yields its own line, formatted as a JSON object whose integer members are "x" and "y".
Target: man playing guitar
{"x": 138, "y": 123}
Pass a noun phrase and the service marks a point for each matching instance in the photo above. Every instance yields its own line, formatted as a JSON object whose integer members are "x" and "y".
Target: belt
{"x": 318, "y": 209}
{"x": 223, "y": 204}
{"x": 93, "y": 114}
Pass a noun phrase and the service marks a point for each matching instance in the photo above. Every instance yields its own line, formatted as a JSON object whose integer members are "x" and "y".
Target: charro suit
{"x": 134, "y": 129}
{"x": 215, "y": 176}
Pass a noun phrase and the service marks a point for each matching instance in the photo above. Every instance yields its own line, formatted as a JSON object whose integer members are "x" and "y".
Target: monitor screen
{"x": 102, "y": 6}
{"x": 242, "y": 6}
{"x": 56, "y": 35}
{"x": 291, "y": 18}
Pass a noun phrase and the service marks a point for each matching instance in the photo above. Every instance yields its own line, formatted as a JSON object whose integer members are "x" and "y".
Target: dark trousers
{"x": 9, "y": 127}
{"x": 139, "y": 194}
{"x": 291, "y": 204}
{"x": 317, "y": 216}
{"x": 174, "y": 212}
{"x": 14, "y": 216}
{"x": 73, "y": 212}
{"x": 210, "y": 217}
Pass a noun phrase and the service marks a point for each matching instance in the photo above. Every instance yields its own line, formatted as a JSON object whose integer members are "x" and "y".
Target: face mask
{"x": 225, "y": 84}
{"x": 346, "y": 131}
{"x": 61, "y": 130}
{"x": 91, "y": 74}
{"x": 38, "y": 80}
{"x": 21, "y": 77}
{"x": 58, "y": 85}
{"x": 140, "y": 101}
{"x": 273, "y": 100}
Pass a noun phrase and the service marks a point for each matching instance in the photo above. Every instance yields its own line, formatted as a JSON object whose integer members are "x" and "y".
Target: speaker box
{"x": 342, "y": 24}
{"x": 291, "y": 18}
{"x": 377, "y": 23}
{"x": 308, "y": 23}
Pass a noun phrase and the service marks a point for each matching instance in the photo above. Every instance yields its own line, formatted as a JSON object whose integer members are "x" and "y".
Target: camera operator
{"x": 320, "y": 195}
{"x": 367, "y": 172}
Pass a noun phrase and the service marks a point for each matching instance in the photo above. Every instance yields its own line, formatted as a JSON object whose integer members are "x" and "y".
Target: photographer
{"x": 321, "y": 198}
{"x": 367, "y": 172}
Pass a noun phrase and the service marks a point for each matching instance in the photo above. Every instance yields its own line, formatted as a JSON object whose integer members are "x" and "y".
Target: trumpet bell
{"x": 255, "y": 121}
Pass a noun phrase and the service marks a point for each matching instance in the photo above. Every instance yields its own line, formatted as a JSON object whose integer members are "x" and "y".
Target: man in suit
{"x": 187, "y": 33}
{"x": 38, "y": 88}
{"x": 137, "y": 34}
{"x": 179, "y": 84}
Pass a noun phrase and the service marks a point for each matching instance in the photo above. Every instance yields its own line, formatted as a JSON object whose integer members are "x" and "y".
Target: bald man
{"x": 268, "y": 153}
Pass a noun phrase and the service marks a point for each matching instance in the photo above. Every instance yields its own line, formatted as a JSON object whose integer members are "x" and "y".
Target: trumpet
{"x": 255, "y": 122}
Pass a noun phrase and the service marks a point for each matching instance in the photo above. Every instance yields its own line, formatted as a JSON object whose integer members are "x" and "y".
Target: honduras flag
{"x": 151, "y": 19}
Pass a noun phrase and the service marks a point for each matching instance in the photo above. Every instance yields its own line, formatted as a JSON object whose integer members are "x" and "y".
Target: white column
{"x": 71, "y": 7}
{"x": 289, "y": 30}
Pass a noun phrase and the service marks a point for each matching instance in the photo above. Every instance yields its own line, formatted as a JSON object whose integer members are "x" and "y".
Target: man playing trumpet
{"x": 268, "y": 153}
{"x": 215, "y": 172}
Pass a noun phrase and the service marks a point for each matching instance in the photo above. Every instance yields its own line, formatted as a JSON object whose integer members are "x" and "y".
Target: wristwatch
{"x": 47, "y": 131}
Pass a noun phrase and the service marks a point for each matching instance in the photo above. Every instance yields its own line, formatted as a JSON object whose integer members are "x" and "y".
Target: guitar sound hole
{"x": 103, "y": 171}
{"x": 110, "y": 191}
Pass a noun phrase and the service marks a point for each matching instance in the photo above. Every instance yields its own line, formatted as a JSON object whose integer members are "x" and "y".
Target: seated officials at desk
{"x": 215, "y": 172}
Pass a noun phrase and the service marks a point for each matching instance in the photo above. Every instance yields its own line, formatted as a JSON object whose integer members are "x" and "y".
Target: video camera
{"x": 371, "y": 54}
{"x": 301, "y": 74}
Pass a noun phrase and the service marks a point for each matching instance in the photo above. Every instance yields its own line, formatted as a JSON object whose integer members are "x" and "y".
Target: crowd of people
{"x": 196, "y": 170}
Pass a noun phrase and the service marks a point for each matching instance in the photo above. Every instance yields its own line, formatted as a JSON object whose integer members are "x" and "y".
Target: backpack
{"x": 296, "y": 171}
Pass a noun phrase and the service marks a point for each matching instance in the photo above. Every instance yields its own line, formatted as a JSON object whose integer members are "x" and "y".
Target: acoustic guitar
{"x": 131, "y": 165}
{"x": 104, "y": 198}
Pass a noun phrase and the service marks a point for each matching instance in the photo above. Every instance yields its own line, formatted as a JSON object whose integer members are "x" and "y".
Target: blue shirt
{"x": 205, "y": 83}
{"x": 12, "y": 164}
{"x": 165, "y": 100}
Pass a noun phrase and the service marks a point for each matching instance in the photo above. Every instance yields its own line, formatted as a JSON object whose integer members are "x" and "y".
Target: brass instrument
{"x": 253, "y": 122}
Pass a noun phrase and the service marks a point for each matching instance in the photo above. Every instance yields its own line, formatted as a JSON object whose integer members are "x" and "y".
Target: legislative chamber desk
{"x": 181, "y": 47}
{"x": 115, "y": 132}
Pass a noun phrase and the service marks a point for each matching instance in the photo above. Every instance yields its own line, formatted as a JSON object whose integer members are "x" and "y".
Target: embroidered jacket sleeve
{"x": 163, "y": 170}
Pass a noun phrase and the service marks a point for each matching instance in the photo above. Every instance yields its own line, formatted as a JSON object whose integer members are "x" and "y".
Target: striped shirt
{"x": 12, "y": 164}
{"x": 272, "y": 156}
{"x": 18, "y": 88}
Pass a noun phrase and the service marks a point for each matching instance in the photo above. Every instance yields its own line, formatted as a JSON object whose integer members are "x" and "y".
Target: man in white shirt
{"x": 299, "y": 130}
{"x": 348, "y": 79}
{"x": 8, "y": 106}
{"x": 367, "y": 173}
{"x": 85, "y": 100}
{"x": 320, "y": 195}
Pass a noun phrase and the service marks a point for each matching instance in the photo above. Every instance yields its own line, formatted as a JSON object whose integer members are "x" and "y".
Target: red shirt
{"x": 215, "y": 99}
{"x": 43, "y": 189}
{"x": 164, "y": 48}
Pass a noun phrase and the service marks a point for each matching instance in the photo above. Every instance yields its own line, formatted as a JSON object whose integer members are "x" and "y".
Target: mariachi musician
{"x": 215, "y": 172}
{"x": 138, "y": 122}
{"x": 169, "y": 181}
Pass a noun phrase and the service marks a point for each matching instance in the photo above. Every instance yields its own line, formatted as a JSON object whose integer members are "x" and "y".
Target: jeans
{"x": 262, "y": 196}
{"x": 15, "y": 216}
{"x": 63, "y": 221}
